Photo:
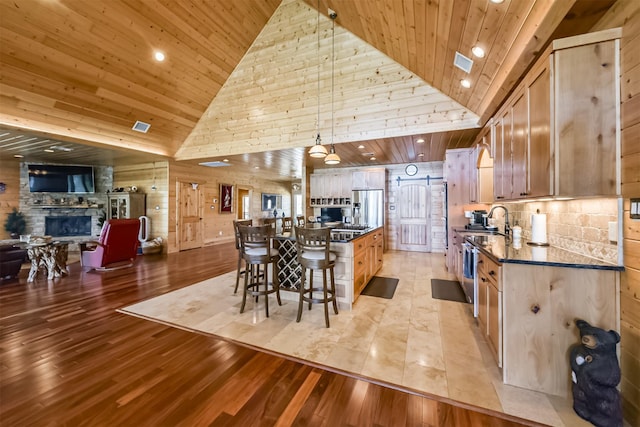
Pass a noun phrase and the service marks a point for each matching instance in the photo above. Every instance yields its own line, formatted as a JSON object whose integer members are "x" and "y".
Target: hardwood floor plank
{"x": 67, "y": 357}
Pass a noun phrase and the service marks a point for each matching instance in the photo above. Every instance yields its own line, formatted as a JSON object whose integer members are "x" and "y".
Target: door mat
{"x": 449, "y": 290}
{"x": 383, "y": 287}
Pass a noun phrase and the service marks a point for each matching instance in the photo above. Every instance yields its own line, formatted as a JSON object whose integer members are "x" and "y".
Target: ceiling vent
{"x": 214, "y": 164}
{"x": 463, "y": 62}
{"x": 141, "y": 126}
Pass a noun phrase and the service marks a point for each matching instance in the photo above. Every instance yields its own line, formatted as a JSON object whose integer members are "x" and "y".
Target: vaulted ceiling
{"x": 240, "y": 80}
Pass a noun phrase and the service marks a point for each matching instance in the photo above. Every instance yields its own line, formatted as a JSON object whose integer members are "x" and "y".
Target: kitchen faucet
{"x": 507, "y": 228}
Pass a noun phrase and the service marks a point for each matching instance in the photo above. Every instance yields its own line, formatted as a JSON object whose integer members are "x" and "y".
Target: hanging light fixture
{"x": 318, "y": 151}
{"x": 332, "y": 158}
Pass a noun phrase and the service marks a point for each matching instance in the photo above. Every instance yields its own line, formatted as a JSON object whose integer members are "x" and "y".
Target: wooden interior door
{"x": 414, "y": 204}
{"x": 189, "y": 216}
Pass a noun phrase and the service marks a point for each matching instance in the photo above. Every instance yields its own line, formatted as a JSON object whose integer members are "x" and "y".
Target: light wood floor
{"x": 68, "y": 358}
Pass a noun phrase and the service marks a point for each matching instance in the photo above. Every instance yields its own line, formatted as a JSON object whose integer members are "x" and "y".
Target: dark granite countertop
{"x": 345, "y": 236}
{"x": 503, "y": 250}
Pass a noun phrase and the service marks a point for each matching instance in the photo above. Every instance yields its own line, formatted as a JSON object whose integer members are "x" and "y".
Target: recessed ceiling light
{"x": 48, "y": 150}
{"x": 478, "y": 51}
{"x": 497, "y": 1}
{"x": 419, "y": 141}
{"x": 373, "y": 158}
{"x": 158, "y": 56}
{"x": 18, "y": 156}
{"x": 361, "y": 147}
{"x": 421, "y": 155}
{"x": 465, "y": 83}
{"x": 225, "y": 160}
{"x": 60, "y": 148}
{"x": 256, "y": 167}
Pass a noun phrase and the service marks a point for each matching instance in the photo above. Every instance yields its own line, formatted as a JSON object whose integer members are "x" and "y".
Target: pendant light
{"x": 332, "y": 158}
{"x": 318, "y": 151}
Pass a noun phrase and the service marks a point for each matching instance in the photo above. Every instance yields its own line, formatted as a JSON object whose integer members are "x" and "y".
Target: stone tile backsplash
{"x": 580, "y": 226}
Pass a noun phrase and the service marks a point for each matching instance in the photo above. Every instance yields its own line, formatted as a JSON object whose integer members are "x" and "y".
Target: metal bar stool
{"x": 313, "y": 245}
{"x": 255, "y": 243}
{"x": 240, "y": 271}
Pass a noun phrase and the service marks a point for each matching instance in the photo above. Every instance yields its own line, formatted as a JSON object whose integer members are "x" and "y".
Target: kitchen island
{"x": 359, "y": 257}
{"x": 529, "y": 298}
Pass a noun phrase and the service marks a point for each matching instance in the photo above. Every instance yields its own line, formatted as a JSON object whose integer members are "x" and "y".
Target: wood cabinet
{"x": 539, "y": 307}
{"x": 330, "y": 189}
{"x": 457, "y": 167}
{"x": 562, "y": 121}
{"x": 367, "y": 259}
{"x": 490, "y": 304}
{"x": 369, "y": 179}
{"x": 586, "y": 107}
{"x": 126, "y": 205}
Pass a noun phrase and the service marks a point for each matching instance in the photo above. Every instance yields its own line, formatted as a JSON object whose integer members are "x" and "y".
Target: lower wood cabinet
{"x": 527, "y": 315}
{"x": 367, "y": 259}
{"x": 490, "y": 304}
{"x": 539, "y": 306}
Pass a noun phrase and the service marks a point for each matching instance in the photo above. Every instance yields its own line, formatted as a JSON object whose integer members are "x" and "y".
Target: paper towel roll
{"x": 539, "y": 228}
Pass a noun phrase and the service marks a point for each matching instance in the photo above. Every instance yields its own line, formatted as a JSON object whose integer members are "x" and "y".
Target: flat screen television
{"x": 61, "y": 179}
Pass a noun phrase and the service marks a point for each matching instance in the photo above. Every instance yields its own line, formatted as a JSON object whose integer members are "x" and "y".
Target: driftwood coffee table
{"x": 52, "y": 256}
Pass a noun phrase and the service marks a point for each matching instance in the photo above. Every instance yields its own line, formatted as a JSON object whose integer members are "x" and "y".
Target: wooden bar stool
{"x": 240, "y": 271}
{"x": 255, "y": 243}
{"x": 287, "y": 224}
{"x": 313, "y": 245}
{"x": 300, "y": 221}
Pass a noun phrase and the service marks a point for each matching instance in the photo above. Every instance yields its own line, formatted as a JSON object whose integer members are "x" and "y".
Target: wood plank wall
{"x": 10, "y": 176}
{"x": 626, "y": 13}
{"x": 144, "y": 176}
{"x": 218, "y": 227}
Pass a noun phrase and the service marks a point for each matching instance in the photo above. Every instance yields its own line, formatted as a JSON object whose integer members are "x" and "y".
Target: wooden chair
{"x": 257, "y": 251}
{"x": 240, "y": 271}
{"x": 314, "y": 253}
{"x": 287, "y": 224}
{"x": 300, "y": 221}
{"x": 270, "y": 222}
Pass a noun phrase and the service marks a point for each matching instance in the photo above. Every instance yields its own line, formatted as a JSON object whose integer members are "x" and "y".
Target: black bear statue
{"x": 595, "y": 374}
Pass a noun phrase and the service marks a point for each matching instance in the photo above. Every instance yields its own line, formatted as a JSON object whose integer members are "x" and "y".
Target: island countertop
{"x": 503, "y": 250}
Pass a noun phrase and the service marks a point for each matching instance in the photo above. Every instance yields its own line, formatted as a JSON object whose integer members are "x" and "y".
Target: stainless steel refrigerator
{"x": 368, "y": 208}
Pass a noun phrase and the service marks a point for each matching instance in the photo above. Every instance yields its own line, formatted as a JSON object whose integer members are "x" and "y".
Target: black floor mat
{"x": 449, "y": 290}
{"x": 383, "y": 287}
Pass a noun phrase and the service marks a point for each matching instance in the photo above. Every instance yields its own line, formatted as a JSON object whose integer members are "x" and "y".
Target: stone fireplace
{"x": 67, "y": 226}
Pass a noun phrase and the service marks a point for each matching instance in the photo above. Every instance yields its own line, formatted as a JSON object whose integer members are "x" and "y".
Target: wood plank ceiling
{"x": 82, "y": 72}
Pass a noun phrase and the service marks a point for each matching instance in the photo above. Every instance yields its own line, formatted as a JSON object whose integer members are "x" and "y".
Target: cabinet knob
{"x": 500, "y": 197}
{"x": 480, "y": 262}
{"x": 483, "y": 279}
{"x": 535, "y": 308}
{"x": 492, "y": 273}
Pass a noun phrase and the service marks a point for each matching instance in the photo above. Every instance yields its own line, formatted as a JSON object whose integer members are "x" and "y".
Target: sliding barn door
{"x": 414, "y": 205}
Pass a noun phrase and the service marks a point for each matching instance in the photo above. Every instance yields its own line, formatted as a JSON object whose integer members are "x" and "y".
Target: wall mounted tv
{"x": 61, "y": 179}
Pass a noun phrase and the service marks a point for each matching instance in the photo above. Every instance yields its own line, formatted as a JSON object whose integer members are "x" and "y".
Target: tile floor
{"x": 412, "y": 340}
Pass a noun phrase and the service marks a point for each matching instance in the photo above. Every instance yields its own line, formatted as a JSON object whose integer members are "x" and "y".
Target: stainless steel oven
{"x": 469, "y": 275}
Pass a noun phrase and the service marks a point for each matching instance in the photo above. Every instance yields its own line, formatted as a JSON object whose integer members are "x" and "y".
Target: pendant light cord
{"x": 333, "y": 64}
{"x": 318, "y": 32}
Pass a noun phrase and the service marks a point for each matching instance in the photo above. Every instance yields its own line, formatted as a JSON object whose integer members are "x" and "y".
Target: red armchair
{"x": 117, "y": 246}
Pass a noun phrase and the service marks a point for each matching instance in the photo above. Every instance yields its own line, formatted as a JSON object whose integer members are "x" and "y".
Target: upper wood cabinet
{"x": 587, "y": 116}
{"x": 558, "y": 134}
{"x": 330, "y": 189}
{"x": 369, "y": 179}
